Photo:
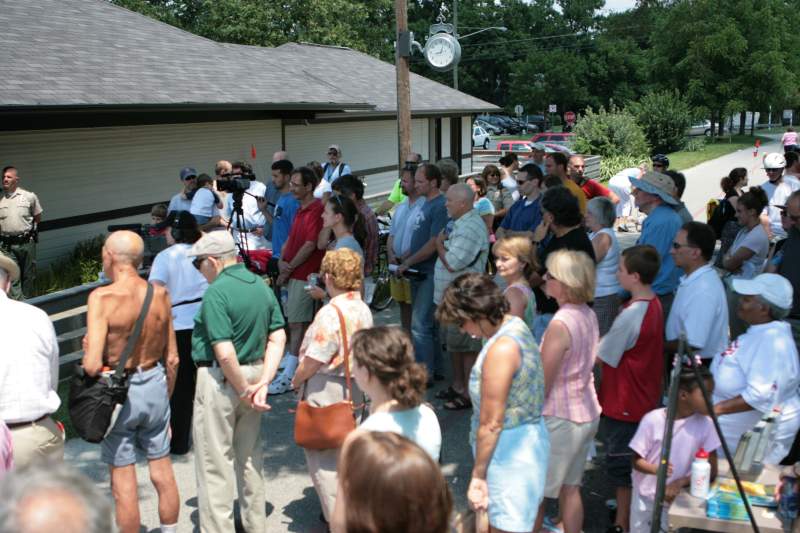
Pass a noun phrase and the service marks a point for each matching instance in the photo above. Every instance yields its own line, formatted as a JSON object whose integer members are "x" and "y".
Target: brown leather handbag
{"x": 325, "y": 428}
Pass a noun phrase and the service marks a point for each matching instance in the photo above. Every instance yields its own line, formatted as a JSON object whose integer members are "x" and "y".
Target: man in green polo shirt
{"x": 237, "y": 344}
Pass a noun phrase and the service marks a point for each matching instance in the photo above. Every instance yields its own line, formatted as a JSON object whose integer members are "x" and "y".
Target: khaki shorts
{"x": 401, "y": 290}
{"x": 569, "y": 450}
{"x": 457, "y": 341}
{"x": 299, "y": 305}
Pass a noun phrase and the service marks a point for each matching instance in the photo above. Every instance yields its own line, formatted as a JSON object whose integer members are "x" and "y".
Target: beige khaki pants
{"x": 228, "y": 454}
{"x": 37, "y": 442}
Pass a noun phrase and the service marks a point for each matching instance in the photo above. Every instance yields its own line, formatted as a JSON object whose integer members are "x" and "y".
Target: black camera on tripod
{"x": 235, "y": 185}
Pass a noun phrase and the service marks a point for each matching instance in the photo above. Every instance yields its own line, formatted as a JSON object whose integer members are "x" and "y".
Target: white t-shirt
{"x": 418, "y": 424}
{"x": 700, "y": 310}
{"x": 203, "y": 203}
{"x": 606, "y": 272}
{"x": 756, "y": 241}
{"x": 183, "y": 281}
{"x": 253, "y": 217}
{"x": 179, "y": 203}
{"x": 777, "y": 195}
{"x": 511, "y": 184}
{"x": 762, "y": 366}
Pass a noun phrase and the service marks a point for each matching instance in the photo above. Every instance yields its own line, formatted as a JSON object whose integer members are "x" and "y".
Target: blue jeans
{"x": 424, "y": 328}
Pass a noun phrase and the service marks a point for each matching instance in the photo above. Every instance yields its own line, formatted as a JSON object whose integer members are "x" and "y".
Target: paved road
{"x": 291, "y": 504}
{"x": 702, "y": 181}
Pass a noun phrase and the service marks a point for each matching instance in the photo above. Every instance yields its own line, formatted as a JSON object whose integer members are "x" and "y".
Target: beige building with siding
{"x": 101, "y": 107}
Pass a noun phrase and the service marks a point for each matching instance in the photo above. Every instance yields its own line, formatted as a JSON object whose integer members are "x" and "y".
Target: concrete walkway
{"x": 702, "y": 181}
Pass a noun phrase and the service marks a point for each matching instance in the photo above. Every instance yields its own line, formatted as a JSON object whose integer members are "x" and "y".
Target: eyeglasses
{"x": 187, "y": 178}
{"x": 793, "y": 218}
{"x": 197, "y": 262}
{"x": 658, "y": 165}
{"x": 768, "y": 170}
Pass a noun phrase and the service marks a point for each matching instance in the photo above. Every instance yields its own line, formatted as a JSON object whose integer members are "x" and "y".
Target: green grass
{"x": 721, "y": 146}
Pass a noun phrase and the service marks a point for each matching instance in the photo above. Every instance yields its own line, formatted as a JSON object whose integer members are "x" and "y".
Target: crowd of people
{"x": 557, "y": 339}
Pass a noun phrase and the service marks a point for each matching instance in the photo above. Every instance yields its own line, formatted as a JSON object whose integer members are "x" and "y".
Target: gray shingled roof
{"x": 93, "y": 53}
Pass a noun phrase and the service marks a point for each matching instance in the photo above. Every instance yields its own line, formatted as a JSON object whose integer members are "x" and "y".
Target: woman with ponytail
{"x": 385, "y": 370}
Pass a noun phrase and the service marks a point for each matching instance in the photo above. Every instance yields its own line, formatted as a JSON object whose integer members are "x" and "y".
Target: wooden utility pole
{"x": 403, "y": 86}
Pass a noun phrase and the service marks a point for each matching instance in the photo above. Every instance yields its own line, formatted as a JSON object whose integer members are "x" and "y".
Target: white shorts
{"x": 642, "y": 513}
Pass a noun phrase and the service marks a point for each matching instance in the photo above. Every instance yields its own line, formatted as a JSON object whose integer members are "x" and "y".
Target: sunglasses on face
{"x": 793, "y": 218}
{"x": 198, "y": 262}
{"x": 521, "y": 182}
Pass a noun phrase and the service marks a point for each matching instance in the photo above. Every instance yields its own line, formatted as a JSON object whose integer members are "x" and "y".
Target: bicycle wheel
{"x": 382, "y": 297}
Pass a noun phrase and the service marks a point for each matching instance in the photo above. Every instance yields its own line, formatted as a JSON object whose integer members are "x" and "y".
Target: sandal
{"x": 458, "y": 403}
{"x": 448, "y": 394}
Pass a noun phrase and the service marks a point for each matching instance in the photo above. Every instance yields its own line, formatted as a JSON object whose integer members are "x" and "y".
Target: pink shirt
{"x": 688, "y": 436}
{"x": 789, "y": 138}
{"x": 6, "y": 458}
{"x": 572, "y": 396}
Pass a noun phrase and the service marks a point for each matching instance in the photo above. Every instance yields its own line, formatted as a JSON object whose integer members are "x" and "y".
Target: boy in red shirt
{"x": 632, "y": 359}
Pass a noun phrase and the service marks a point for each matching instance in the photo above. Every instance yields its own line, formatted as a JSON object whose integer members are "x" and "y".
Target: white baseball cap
{"x": 774, "y": 160}
{"x": 773, "y": 288}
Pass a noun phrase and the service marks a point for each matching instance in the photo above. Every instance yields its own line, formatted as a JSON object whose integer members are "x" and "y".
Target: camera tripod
{"x": 241, "y": 243}
{"x": 685, "y": 354}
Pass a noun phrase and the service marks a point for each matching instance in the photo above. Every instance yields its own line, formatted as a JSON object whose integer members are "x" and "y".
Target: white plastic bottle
{"x": 701, "y": 475}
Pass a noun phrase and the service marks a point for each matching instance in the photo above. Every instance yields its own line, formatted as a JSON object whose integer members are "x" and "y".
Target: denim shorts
{"x": 143, "y": 422}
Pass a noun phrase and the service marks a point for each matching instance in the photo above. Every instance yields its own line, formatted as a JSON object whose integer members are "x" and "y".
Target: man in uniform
{"x": 20, "y": 215}
{"x": 143, "y": 422}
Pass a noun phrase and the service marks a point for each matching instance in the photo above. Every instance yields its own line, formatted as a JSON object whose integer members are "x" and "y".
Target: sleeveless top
{"x": 526, "y": 395}
{"x": 607, "y": 282}
{"x": 530, "y": 307}
{"x": 572, "y": 395}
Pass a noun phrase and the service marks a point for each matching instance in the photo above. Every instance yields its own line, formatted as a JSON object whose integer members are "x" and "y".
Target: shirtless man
{"x": 143, "y": 421}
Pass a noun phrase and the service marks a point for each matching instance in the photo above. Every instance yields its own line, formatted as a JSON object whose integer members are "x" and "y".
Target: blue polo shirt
{"x": 430, "y": 221}
{"x": 522, "y": 217}
{"x": 659, "y": 230}
{"x": 282, "y": 218}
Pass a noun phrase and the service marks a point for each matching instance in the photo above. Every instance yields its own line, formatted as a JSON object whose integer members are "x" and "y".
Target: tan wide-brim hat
{"x": 10, "y": 266}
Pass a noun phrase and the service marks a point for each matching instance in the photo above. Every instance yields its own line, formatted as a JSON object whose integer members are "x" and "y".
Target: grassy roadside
{"x": 721, "y": 146}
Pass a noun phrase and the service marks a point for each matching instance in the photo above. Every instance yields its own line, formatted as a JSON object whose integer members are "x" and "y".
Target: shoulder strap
{"x": 137, "y": 331}
{"x": 346, "y": 348}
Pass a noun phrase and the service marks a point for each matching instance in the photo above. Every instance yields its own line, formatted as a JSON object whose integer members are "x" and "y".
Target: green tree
{"x": 664, "y": 116}
{"x": 610, "y": 133}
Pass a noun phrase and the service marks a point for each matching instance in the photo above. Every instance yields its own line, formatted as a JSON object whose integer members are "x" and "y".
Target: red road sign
{"x": 569, "y": 116}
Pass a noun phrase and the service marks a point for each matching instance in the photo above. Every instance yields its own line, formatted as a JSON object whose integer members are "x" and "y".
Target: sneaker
{"x": 283, "y": 381}
{"x": 549, "y": 525}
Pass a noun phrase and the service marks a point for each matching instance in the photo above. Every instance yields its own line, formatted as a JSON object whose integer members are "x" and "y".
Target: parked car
{"x": 564, "y": 139}
{"x": 514, "y": 146}
{"x": 525, "y": 126}
{"x": 702, "y": 127}
{"x": 480, "y": 137}
{"x": 495, "y": 121}
{"x": 491, "y": 129}
{"x": 539, "y": 121}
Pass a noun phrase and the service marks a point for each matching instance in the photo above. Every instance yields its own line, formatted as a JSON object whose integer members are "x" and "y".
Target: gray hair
{"x": 449, "y": 170}
{"x": 603, "y": 210}
{"x": 463, "y": 192}
{"x": 775, "y": 312}
{"x": 61, "y": 497}
{"x": 230, "y": 256}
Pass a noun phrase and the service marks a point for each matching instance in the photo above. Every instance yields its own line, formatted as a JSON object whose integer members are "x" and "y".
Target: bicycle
{"x": 382, "y": 295}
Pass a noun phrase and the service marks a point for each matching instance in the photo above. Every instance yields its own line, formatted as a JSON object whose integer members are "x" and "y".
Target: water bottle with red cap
{"x": 701, "y": 475}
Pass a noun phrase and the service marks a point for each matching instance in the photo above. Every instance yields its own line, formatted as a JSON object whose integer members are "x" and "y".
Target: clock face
{"x": 442, "y": 51}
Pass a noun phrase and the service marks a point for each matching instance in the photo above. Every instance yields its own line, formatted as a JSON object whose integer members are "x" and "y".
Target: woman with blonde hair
{"x": 571, "y": 410}
{"x": 321, "y": 370}
{"x": 515, "y": 258}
